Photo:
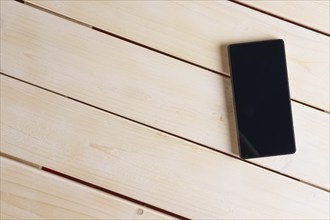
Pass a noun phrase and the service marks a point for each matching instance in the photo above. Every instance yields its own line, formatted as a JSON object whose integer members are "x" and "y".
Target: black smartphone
{"x": 261, "y": 99}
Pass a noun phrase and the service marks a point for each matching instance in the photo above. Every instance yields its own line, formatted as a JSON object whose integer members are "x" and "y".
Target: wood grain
{"x": 145, "y": 164}
{"x": 29, "y": 193}
{"x": 199, "y": 31}
{"x": 314, "y": 14}
{"x": 147, "y": 87}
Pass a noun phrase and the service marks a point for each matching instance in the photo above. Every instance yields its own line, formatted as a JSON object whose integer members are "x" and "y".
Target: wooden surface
{"x": 27, "y": 192}
{"x": 142, "y": 163}
{"x": 143, "y": 124}
{"x": 205, "y": 116}
{"x": 200, "y": 31}
{"x": 312, "y": 14}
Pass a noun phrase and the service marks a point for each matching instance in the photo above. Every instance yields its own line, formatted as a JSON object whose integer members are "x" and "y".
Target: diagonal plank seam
{"x": 54, "y": 13}
{"x": 119, "y": 37}
{"x": 188, "y": 62}
{"x": 148, "y": 47}
{"x": 85, "y": 183}
{"x": 102, "y": 189}
{"x": 90, "y": 185}
{"x": 166, "y": 132}
{"x": 279, "y": 17}
{"x": 19, "y": 160}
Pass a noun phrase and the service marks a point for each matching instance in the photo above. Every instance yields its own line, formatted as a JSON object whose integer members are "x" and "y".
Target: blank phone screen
{"x": 261, "y": 99}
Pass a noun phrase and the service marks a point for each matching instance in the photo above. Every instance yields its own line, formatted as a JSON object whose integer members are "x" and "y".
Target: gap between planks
{"x": 164, "y": 53}
{"x": 102, "y": 189}
{"x": 165, "y": 132}
{"x": 21, "y": 165}
{"x": 119, "y": 37}
{"x": 90, "y": 185}
{"x": 19, "y": 160}
{"x": 279, "y": 17}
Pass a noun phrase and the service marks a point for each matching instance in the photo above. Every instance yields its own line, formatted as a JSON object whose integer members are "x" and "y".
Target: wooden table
{"x": 123, "y": 110}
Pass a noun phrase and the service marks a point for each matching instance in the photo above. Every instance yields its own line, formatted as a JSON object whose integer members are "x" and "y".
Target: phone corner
{"x": 281, "y": 41}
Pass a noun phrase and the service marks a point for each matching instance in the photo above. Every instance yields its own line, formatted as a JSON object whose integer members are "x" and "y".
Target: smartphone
{"x": 261, "y": 99}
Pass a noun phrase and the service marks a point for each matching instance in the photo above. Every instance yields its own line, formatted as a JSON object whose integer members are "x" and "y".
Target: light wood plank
{"x": 147, "y": 87}
{"x": 314, "y": 14}
{"x": 145, "y": 164}
{"x": 200, "y": 31}
{"x": 3, "y": 216}
{"x": 28, "y": 193}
